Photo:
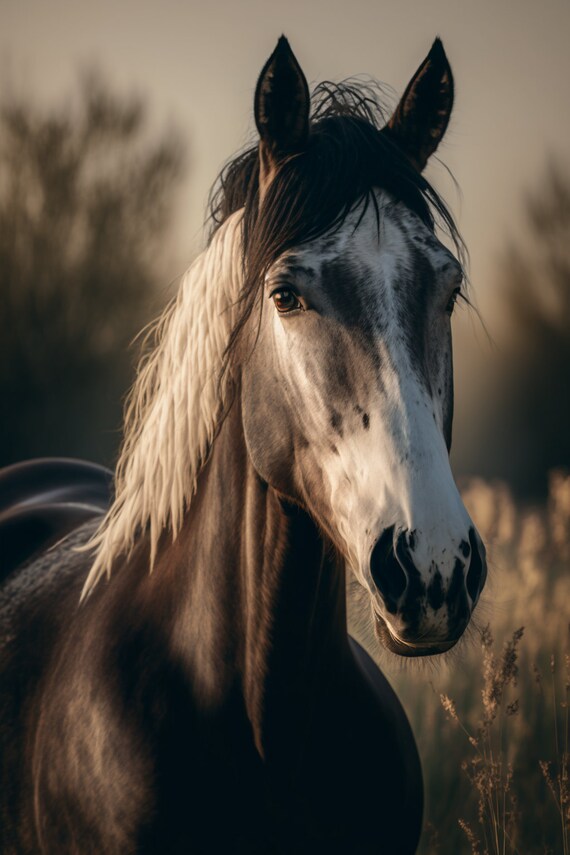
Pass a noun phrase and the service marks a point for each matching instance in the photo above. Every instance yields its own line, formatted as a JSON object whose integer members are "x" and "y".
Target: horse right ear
{"x": 281, "y": 108}
{"x": 422, "y": 116}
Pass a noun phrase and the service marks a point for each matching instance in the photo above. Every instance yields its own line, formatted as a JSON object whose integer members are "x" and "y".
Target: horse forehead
{"x": 408, "y": 236}
{"x": 381, "y": 247}
{"x": 377, "y": 279}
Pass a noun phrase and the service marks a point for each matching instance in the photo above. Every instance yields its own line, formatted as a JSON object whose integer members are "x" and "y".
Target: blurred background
{"x": 115, "y": 118}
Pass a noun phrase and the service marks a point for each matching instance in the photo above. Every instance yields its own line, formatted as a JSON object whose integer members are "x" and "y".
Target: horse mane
{"x": 181, "y": 389}
{"x": 174, "y": 407}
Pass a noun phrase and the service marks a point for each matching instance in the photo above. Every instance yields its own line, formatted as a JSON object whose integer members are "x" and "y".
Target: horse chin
{"x": 407, "y": 648}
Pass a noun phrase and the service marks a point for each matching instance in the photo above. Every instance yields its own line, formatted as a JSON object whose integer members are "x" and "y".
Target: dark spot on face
{"x": 333, "y": 448}
{"x": 421, "y": 239}
{"x": 301, "y": 270}
{"x": 329, "y": 242}
{"x": 336, "y": 422}
{"x": 358, "y": 409}
{"x": 435, "y": 591}
{"x": 416, "y": 285}
{"x": 456, "y": 599}
{"x": 338, "y": 379}
{"x": 478, "y": 568}
{"x": 464, "y": 548}
{"x": 365, "y": 421}
{"x": 458, "y": 567}
{"x": 346, "y": 286}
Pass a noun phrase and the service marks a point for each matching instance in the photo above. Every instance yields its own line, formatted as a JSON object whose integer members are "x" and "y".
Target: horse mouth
{"x": 423, "y": 647}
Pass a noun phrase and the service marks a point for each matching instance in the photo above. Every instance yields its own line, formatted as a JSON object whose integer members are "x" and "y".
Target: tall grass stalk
{"x": 487, "y": 768}
{"x": 498, "y": 780}
{"x": 556, "y": 774}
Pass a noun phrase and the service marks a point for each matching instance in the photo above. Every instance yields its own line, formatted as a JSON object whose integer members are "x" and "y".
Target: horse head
{"x": 347, "y": 383}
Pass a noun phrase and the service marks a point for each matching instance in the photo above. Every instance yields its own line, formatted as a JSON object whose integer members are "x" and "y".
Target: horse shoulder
{"x": 71, "y": 753}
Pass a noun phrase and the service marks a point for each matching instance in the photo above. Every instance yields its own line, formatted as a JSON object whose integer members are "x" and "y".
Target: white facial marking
{"x": 376, "y": 454}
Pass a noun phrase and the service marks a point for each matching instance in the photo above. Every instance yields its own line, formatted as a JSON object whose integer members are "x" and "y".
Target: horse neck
{"x": 260, "y": 596}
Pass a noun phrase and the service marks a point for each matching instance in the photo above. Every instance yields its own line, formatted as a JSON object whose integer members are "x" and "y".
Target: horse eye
{"x": 285, "y": 300}
{"x": 452, "y": 301}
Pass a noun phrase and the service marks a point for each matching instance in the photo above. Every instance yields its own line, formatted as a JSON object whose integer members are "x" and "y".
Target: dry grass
{"x": 492, "y": 724}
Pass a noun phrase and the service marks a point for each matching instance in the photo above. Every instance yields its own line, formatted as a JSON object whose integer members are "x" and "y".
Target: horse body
{"x": 292, "y": 422}
{"x": 215, "y": 703}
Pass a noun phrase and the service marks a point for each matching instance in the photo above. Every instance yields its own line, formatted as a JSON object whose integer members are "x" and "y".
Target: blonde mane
{"x": 173, "y": 408}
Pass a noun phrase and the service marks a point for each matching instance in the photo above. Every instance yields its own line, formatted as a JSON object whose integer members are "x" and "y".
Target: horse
{"x": 177, "y": 675}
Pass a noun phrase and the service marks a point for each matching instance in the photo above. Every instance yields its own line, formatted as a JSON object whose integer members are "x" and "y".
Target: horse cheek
{"x": 267, "y": 429}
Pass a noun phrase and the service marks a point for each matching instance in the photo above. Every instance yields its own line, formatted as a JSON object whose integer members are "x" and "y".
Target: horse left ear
{"x": 422, "y": 116}
{"x": 281, "y": 107}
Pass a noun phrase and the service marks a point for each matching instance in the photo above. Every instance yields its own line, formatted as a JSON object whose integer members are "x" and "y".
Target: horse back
{"x": 42, "y": 501}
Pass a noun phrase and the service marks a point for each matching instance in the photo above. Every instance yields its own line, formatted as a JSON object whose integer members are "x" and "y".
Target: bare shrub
{"x": 86, "y": 198}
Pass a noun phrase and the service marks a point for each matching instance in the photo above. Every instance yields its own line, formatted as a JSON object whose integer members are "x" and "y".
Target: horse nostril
{"x": 477, "y": 570}
{"x": 386, "y": 570}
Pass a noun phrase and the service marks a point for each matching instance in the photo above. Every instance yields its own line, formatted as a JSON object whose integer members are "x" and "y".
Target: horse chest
{"x": 344, "y": 790}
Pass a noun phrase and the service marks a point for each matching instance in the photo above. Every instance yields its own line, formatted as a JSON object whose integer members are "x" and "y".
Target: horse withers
{"x": 292, "y": 422}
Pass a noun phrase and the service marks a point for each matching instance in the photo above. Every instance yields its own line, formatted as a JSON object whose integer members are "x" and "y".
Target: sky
{"x": 197, "y": 64}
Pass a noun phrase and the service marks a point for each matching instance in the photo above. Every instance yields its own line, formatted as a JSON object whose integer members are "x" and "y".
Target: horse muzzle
{"x": 423, "y": 611}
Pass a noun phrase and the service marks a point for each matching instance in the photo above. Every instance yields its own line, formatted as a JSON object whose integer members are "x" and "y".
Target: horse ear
{"x": 281, "y": 108}
{"x": 422, "y": 116}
